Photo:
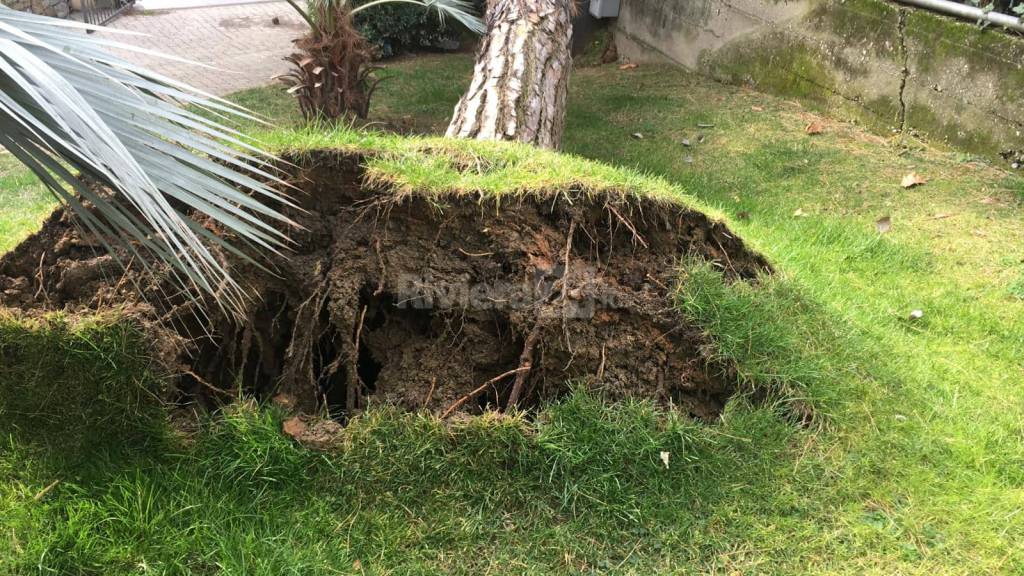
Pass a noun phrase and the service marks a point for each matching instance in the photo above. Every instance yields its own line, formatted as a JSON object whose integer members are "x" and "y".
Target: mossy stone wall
{"x": 890, "y": 67}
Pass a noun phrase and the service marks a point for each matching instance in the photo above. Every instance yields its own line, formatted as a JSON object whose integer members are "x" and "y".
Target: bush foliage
{"x": 399, "y": 27}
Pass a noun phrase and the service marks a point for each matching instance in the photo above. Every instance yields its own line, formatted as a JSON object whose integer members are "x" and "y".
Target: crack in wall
{"x": 901, "y": 32}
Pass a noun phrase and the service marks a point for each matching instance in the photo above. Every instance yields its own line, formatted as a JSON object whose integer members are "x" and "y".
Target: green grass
{"x": 24, "y": 202}
{"x": 443, "y": 167}
{"x": 914, "y": 464}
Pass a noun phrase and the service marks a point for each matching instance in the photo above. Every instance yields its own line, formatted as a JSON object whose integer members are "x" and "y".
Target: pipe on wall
{"x": 968, "y": 12}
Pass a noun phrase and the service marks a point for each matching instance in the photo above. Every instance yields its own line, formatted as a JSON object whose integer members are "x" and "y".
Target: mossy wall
{"x": 890, "y": 67}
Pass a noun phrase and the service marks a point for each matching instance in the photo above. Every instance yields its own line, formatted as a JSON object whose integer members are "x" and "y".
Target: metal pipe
{"x": 968, "y": 12}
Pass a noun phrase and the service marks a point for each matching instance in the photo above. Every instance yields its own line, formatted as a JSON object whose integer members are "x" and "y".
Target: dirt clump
{"x": 454, "y": 303}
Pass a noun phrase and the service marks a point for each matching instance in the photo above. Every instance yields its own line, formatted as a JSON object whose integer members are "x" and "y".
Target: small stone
{"x": 1015, "y": 165}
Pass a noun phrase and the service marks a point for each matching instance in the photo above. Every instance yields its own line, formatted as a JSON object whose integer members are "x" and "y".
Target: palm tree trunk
{"x": 521, "y": 77}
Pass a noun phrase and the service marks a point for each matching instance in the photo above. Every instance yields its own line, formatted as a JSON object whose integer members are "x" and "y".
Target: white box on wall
{"x": 604, "y": 8}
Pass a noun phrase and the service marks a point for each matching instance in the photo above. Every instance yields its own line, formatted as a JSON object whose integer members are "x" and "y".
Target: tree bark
{"x": 521, "y": 77}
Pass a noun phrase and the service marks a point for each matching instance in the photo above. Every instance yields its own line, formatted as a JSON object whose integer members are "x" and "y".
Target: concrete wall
{"x": 890, "y": 67}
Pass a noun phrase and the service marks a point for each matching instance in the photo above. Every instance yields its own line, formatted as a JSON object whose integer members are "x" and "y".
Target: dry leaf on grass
{"x": 638, "y": 136}
{"x": 757, "y": 108}
{"x": 314, "y": 433}
{"x": 664, "y": 458}
{"x": 799, "y": 213}
{"x": 285, "y": 401}
{"x": 294, "y": 427}
{"x": 912, "y": 179}
{"x": 814, "y": 128}
{"x": 884, "y": 224}
{"x": 629, "y": 66}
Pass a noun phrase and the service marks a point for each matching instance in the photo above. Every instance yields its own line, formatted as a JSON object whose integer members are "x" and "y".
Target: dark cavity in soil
{"x": 453, "y": 304}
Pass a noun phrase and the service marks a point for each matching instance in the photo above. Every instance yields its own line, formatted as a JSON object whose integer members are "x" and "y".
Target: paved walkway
{"x": 241, "y": 41}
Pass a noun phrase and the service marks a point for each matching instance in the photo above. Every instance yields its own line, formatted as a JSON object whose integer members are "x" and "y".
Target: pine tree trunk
{"x": 521, "y": 77}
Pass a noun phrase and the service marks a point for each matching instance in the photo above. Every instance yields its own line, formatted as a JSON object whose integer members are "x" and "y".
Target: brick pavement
{"x": 240, "y": 40}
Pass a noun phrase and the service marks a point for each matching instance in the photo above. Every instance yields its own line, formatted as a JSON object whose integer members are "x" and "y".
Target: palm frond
{"x": 67, "y": 105}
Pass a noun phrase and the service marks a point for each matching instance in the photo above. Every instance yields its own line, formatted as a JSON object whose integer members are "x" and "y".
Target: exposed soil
{"x": 451, "y": 304}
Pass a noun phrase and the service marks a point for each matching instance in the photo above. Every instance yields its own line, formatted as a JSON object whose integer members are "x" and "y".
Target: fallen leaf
{"x": 285, "y": 401}
{"x": 884, "y": 224}
{"x": 757, "y": 109}
{"x": 638, "y": 136}
{"x": 357, "y": 565}
{"x": 686, "y": 142}
{"x": 664, "y": 459}
{"x": 799, "y": 213}
{"x": 629, "y": 66}
{"x": 294, "y": 427}
{"x": 814, "y": 128}
{"x": 912, "y": 179}
{"x": 916, "y": 314}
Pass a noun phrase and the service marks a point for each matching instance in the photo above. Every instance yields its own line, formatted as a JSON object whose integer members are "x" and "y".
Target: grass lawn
{"x": 914, "y": 464}
{"x": 24, "y": 202}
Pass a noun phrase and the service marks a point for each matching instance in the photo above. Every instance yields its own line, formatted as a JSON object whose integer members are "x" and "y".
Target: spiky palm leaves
{"x": 333, "y": 75}
{"x": 71, "y": 112}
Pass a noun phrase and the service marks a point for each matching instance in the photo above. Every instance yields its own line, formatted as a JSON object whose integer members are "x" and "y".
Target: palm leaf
{"x": 67, "y": 105}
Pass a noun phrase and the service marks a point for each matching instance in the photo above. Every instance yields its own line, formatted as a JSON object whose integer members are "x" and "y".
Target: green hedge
{"x": 400, "y": 27}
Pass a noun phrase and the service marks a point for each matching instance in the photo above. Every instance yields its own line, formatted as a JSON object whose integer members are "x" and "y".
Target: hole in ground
{"x": 607, "y": 266}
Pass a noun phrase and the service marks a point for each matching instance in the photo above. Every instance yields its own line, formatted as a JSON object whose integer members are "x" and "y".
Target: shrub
{"x": 400, "y": 27}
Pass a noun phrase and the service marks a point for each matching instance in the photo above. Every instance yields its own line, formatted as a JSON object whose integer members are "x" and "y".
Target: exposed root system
{"x": 453, "y": 304}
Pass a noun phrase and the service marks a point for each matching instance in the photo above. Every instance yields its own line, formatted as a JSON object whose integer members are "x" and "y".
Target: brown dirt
{"x": 427, "y": 302}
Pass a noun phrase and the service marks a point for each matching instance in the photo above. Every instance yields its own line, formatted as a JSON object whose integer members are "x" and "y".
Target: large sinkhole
{"x": 445, "y": 303}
